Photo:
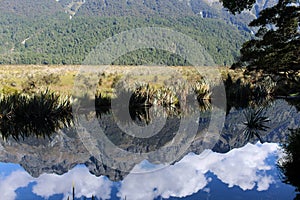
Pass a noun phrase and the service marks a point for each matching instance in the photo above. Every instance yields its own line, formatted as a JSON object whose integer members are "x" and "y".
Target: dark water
{"x": 213, "y": 165}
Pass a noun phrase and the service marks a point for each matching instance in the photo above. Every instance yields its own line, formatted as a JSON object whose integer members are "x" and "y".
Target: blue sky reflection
{"x": 243, "y": 171}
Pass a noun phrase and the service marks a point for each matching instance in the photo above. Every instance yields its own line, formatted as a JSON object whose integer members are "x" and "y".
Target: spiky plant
{"x": 102, "y": 104}
{"x": 202, "y": 90}
{"x": 142, "y": 96}
{"x": 40, "y": 114}
{"x": 166, "y": 96}
{"x": 255, "y": 123}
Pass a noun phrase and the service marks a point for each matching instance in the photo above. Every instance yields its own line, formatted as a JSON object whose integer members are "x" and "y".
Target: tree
{"x": 290, "y": 163}
{"x": 276, "y": 47}
{"x": 237, "y": 6}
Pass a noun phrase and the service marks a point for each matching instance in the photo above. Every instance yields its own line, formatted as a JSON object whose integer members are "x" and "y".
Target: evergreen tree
{"x": 276, "y": 47}
{"x": 237, "y": 6}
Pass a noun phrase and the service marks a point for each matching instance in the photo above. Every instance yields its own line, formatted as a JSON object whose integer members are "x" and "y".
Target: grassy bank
{"x": 150, "y": 85}
{"x": 38, "y": 99}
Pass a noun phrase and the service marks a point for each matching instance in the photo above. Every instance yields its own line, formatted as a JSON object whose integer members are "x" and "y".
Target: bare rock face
{"x": 261, "y": 5}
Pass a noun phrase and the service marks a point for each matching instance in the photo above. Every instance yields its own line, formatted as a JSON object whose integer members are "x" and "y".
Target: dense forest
{"x": 51, "y": 35}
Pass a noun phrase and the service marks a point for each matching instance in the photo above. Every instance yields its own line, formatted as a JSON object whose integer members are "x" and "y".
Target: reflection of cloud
{"x": 239, "y": 166}
{"x": 85, "y": 184}
{"x": 244, "y": 167}
{"x": 166, "y": 182}
{"x": 9, "y": 184}
{"x": 47, "y": 185}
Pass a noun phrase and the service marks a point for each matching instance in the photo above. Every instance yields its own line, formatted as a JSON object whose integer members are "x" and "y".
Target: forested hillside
{"x": 64, "y": 32}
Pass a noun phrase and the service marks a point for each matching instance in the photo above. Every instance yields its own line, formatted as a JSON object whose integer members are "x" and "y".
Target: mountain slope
{"x": 30, "y": 8}
{"x": 41, "y": 32}
{"x": 70, "y": 41}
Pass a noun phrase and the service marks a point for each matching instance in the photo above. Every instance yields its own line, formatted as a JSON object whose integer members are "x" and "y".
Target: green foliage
{"x": 151, "y": 56}
{"x": 276, "y": 48}
{"x": 58, "y": 40}
{"x": 237, "y": 6}
{"x": 290, "y": 163}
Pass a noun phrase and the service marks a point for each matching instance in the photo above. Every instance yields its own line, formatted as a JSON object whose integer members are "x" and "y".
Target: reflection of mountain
{"x": 64, "y": 150}
{"x": 191, "y": 174}
{"x": 282, "y": 116}
{"x": 58, "y": 154}
{"x": 194, "y": 177}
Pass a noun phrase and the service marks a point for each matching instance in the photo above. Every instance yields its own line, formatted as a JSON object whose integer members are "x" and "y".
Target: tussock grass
{"x": 40, "y": 114}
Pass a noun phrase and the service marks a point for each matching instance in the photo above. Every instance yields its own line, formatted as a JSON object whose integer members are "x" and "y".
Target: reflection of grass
{"x": 255, "y": 123}
{"x": 102, "y": 104}
{"x": 166, "y": 82}
{"x": 241, "y": 93}
{"x": 40, "y": 114}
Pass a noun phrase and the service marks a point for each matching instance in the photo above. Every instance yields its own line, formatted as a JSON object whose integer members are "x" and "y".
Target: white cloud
{"x": 85, "y": 184}
{"x": 244, "y": 167}
{"x": 239, "y": 167}
{"x": 47, "y": 185}
{"x": 264, "y": 183}
{"x": 165, "y": 182}
{"x": 9, "y": 184}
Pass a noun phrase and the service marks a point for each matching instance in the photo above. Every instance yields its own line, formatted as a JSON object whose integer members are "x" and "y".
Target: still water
{"x": 233, "y": 168}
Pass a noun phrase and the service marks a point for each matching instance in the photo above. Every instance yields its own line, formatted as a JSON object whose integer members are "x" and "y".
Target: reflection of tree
{"x": 255, "y": 123}
{"x": 140, "y": 113}
{"x": 240, "y": 94}
{"x": 290, "y": 164}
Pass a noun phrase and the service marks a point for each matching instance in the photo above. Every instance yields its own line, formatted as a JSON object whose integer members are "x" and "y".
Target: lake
{"x": 229, "y": 164}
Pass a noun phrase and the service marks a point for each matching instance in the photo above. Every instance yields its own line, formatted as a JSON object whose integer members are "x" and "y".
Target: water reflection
{"x": 48, "y": 185}
{"x": 189, "y": 175}
{"x": 243, "y": 95}
{"x": 132, "y": 131}
{"x": 232, "y": 167}
{"x": 294, "y": 101}
{"x": 290, "y": 163}
{"x": 40, "y": 115}
{"x": 255, "y": 123}
{"x": 194, "y": 175}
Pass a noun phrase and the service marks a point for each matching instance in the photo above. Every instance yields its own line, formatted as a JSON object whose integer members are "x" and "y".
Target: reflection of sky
{"x": 48, "y": 185}
{"x": 243, "y": 172}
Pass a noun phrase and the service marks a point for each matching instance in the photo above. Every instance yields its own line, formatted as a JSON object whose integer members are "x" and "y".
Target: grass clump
{"x": 255, "y": 123}
{"x": 40, "y": 114}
